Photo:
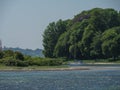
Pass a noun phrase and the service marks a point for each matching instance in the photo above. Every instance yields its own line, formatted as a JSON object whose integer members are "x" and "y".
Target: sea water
{"x": 60, "y": 80}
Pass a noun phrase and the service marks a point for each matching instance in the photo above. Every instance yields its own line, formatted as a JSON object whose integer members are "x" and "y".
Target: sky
{"x": 22, "y": 22}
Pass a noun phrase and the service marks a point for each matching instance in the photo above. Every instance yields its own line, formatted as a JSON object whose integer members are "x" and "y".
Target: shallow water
{"x": 61, "y": 80}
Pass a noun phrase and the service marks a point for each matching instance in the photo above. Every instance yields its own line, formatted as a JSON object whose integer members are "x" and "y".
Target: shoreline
{"x": 81, "y": 68}
{"x": 47, "y": 69}
{"x": 87, "y": 66}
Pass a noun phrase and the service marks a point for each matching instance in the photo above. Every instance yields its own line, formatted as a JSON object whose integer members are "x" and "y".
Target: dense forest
{"x": 92, "y": 34}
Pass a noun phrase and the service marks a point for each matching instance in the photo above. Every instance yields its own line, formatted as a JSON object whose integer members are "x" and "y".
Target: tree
{"x": 96, "y": 51}
{"x": 8, "y": 53}
{"x": 18, "y": 56}
{"x": 87, "y": 40}
{"x": 91, "y": 34}
{"x": 1, "y": 54}
{"x": 62, "y": 46}
{"x": 51, "y": 35}
{"x": 111, "y": 42}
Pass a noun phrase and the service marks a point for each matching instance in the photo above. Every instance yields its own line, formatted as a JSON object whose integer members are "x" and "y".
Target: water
{"x": 60, "y": 80}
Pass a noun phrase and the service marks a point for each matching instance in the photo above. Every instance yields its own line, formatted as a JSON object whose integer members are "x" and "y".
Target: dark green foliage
{"x": 8, "y": 53}
{"x": 14, "y": 62}
{"x": 22, "y": 63}
{"x": 45, "y": 61}
{"x": 92, "y": 34}
{"x": 51, "y": 35}
{"x": 111, "y": 42}
{"x": 1, "y": 54}
{"x": 62, "y": 46}
{"x": 9, "y": 62}
{"x": 96, "y": 51}
{"x": 12, "y": 54}
{"x": 10, "y": 58}
{"x": 18, "y": 55}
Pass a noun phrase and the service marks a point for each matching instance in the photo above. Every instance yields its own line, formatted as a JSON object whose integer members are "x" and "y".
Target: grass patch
{"x": 3, "y": 67}
{"x": 101, "y": 61}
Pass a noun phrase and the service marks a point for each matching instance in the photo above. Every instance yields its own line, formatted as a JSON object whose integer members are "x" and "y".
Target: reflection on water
{"x": 61, "y": 80}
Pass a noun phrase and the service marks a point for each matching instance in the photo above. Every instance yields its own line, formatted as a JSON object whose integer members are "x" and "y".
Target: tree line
{"x": 15, "y": 58}
{"x": 92, "y": 34}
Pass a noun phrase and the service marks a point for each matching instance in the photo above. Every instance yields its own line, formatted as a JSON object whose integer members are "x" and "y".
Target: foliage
{"x": 1, "y": 54}
{"x": 92, "y": 34}
{"x": 8, "y": 53}
{"x": 9, "y": 62}
{"x": 11, "y": 58}
{"x": 111, "y": 42}
{"x": 45, "y": 61}
{"x": 18, "y": 55}
{"x": 51, "y": 35}
{"x": 30, "y": 52}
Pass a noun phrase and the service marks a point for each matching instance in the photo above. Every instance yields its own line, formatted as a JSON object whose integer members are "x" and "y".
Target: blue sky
{"x": 22, "y": 22}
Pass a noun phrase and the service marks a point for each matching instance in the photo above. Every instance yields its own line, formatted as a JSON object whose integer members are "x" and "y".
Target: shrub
{"x": 22, "y": 63}
{"x": 1, "y": 55}
{"x": 10, "y": 62}
{"x": 45, "y": 61}
{"x": 18, "y": 55}
{"x": 49, "y": 62}
{"x": 53, "y": 62}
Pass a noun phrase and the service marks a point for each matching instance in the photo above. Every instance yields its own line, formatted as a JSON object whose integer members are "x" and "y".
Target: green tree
{"x": 90, "y": 34}
{"x": 8, "y": 53}
{"x": 87, "y": 40}
{"x": 62, "y": 46}
{"x": 51, "y": 35}
{"x": 1, "y": 54}
{"x": 111, "y": 42}
{"x": 96, "y": 51}
{"x": 18, "y": 56}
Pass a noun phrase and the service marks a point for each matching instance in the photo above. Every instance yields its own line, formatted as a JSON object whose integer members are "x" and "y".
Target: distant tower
{"x": 0, "y": 45}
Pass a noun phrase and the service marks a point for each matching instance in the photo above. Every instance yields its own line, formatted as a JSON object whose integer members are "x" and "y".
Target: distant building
{"x": 0, "y": 45}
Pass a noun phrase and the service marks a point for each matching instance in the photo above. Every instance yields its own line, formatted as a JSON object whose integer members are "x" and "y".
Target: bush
{"x": 22, "y": 63}
{"x": 8, "y": 53}
{"x": 10, "y": 62}
{"x": 45, "y": 62}
{"x": 1, "y": 55}
{"x": 1, "y": 61}
{"x": 18, "y": 55}
{"x": 51, "y": 62}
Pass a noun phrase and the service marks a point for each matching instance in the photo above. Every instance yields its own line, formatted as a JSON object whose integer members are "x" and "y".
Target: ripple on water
{"x": 61, "y": 80}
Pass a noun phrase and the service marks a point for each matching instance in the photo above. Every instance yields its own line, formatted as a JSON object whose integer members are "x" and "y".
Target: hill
{"x": 30, "y": 52}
